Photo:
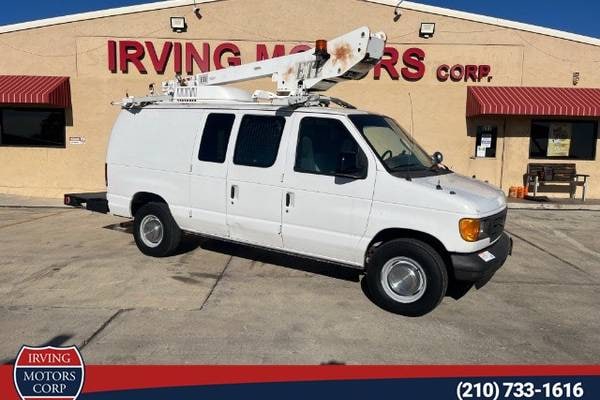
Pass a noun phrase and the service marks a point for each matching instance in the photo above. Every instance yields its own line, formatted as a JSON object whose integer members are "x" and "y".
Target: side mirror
{"x": 348, "y": 167}
{"x": 437, "y": 157}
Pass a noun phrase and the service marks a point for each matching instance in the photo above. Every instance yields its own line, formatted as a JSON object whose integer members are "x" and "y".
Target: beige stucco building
{"x": 423, "y": 82}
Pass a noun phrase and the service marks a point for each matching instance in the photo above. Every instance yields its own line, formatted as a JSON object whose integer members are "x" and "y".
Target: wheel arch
{"x": 142, "y": 198}
{"x": 399, "y": 233}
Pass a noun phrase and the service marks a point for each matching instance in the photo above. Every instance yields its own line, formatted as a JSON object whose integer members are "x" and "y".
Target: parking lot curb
{"x": 15, "y": 201}
{"x": 554, "y": 206}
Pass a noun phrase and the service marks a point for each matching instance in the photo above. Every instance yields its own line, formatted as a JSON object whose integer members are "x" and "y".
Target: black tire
{"x": 432, "y": 268}
{"x": 171, "y": 233}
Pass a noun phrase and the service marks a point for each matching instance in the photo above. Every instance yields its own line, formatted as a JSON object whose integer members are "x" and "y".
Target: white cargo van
{"x": 336, "y": 184}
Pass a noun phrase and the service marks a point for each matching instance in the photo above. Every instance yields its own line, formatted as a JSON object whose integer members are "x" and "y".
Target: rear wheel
{"x": 155, "y": 231}
{"x": 407, "y": 277}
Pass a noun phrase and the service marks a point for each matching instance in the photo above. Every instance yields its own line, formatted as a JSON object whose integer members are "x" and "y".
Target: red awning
{"x": 535, "y": 101}
{"x": 34, "y": 90}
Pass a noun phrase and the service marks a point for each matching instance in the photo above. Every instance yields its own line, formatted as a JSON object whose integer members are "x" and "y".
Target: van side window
{"x": 215, "y": 137}
{"x": 258, "y": 140}
{"x": 320, "y": 143}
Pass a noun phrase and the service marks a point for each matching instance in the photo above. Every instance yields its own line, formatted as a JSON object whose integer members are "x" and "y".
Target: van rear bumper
{"x": 474, "y": 267}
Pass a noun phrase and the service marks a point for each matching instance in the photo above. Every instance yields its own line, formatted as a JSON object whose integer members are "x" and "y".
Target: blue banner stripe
{"x": 425, "y": 388}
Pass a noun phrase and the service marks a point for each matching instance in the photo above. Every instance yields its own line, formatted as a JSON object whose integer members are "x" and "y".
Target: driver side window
{"x": 321, "y": 142}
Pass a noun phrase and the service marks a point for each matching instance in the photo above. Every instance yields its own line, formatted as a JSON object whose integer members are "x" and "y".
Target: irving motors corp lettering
{"x": 125, "y": 56}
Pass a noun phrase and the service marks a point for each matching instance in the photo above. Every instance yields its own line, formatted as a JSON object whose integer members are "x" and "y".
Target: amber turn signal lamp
{"x": 321, "y": 46}
{"x": 469, "y": 229}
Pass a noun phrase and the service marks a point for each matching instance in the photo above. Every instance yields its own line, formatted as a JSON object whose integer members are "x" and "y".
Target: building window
{"x": 32, "y": 127}
{"x": 563, "y": 140}
{"x": 321, "y": 141}
{"x": 215, "y": 138}
{"x": 485, "y": 145}
{"x": 258, "y": 140}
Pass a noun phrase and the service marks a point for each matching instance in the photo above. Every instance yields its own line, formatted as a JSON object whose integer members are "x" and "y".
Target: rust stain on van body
{"x": 289, "y": 73}
{"x": 342, "y": 54}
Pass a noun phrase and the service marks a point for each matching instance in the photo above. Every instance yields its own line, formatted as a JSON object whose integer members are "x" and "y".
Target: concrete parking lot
{"x": 74, "y": 277}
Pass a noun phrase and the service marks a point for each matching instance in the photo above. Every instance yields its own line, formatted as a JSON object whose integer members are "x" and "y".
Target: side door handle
{"x": 233, "y": 193}
{"x": 289, "y": 199}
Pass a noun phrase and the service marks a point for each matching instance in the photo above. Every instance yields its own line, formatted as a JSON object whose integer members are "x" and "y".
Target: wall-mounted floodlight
{"x": 427, "y": 30}
{"x": 178, "y": 24}
{"x": 397, "y": 11}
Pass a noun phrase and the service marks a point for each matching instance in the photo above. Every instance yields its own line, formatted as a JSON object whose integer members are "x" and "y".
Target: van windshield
{"x": 392, "y": 144}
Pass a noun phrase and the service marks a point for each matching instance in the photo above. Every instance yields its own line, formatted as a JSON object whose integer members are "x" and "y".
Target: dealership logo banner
{"x": 48, "y": 373}
{"x": 303, "y": 382}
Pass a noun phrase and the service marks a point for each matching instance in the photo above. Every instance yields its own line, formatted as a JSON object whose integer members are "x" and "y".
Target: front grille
{"x": 494, "y": 225}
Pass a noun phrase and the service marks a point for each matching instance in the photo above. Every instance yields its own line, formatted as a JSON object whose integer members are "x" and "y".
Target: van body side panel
{"x": 208, "y": 189}
{"x": 255, "y": 194}
{"x": 150, "y": 151}
{"x": 119, "y": 205}
{"x": 399, "y": 203}
{"x": 327, "y": 215}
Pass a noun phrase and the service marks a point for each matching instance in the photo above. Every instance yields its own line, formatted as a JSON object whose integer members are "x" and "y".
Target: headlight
{"x": 470, "y": 229}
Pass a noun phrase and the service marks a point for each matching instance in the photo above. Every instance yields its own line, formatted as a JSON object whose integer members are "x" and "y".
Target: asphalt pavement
{"x": 74, "y": 277}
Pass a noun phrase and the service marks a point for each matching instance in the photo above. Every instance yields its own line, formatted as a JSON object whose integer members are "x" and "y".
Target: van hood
{"x": 477, "y": 196}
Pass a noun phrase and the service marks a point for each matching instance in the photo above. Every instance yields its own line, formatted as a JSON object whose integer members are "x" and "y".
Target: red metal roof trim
{"x": 35, "y": 90}
{"x": 534, "y": 101}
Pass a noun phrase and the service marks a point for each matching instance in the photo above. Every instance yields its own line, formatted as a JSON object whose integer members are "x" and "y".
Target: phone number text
{"x": 518, "y": 390}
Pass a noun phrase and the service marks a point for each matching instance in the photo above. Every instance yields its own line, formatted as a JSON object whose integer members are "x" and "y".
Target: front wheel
{"x": 155, "y": 231}
{"x": 407, "y": 277}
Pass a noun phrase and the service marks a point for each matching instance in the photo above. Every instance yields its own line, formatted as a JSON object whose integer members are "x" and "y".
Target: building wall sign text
{"x": 127, "y": 56}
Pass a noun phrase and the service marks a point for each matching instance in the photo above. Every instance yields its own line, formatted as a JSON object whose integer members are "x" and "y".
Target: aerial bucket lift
{"x": 298, "y": 76}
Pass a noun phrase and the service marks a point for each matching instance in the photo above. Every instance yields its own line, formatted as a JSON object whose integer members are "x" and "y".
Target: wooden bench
{"x": 540, "y": 174}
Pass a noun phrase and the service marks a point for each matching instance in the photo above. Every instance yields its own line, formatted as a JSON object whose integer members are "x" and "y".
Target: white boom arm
{"x": 350, "y": 56}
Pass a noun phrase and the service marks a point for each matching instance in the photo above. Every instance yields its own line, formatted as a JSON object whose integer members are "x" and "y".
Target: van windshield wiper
{"x": 405, "y": 167}
{"x": 437, "y": 168}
